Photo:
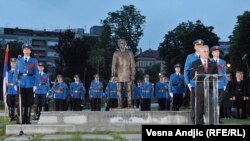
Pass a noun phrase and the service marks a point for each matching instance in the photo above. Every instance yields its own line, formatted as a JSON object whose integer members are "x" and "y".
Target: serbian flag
{"x": 5, "y": 75}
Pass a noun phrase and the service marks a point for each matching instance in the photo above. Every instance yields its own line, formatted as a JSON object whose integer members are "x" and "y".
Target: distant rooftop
{"x": 149, "y": 54}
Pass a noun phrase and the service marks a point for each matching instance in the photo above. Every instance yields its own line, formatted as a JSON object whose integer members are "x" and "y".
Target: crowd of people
{"x": 29, "y": 85}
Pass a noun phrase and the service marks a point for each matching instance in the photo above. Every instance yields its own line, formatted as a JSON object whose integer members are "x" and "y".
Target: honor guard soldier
{"x": 43, "y": 87}
{"x": 96, "y": 93}
{"x": 111, "y": 94}
{"x": 188, "y": 68}
{"x": 60, "y": 89}
{"x": 222, "y": 66}
{"x": 136, "y": 94}
{"x": 25, "y": 75}
{"x": 161, "y": 93}
{"x": 147, "y": 92}
{"x": 77, "y": 91}
{"x": 12, "y": 97}
{"x": 177, "y": 87}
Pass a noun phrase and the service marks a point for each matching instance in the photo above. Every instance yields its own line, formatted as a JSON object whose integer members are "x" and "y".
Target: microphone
{"x": 244, "y": 56}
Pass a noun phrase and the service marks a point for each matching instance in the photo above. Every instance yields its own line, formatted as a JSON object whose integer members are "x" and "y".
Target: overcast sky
{"x": 161, "y": 15}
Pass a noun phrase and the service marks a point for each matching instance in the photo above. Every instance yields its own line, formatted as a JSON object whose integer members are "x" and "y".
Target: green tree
{"x": 178, "y": 43}
{"x": 240, "y": 41}
{"x": 153, "y": 72}
{"x": 126, "y": 23}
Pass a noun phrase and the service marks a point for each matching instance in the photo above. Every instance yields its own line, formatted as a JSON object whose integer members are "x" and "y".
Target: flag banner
{"x": 5, "y": 74}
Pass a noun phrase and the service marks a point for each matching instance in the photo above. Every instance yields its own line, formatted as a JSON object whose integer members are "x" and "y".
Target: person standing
{"x": 43, "y": 87}
{"x": 77, "y": 91}
{"x": 177, "y": 87}
{"x": 222, "y": 81}
{"x": 147, "y": 92}
{"x": 60, "y": 93}
{"x": 187, "y": 68}
{"x": 202, "y": 66}
{"x": 111, "y": 94}
{"x": 12, "y": 97}
{"x": 26, "y": 72}
{"x": 96, "y": 93}
{"x": 123, "y": 69}
{"x": 161, "y": 90}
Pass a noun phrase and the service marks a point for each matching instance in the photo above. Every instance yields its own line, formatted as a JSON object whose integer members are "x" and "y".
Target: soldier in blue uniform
{"x": 221, "y": 65}
{"x": 12, "y": 97}
{"x": 43, "y": 87}
{"x": 147, "y": 92}
{"x": 60, "y": 89}
{"x": 188, "y": 68}
{"x": 177, "y": 87}
{"x": 26, "y": 72}
{"x": 111, "y": 94}
{"x": 77, "y": 91}
{"x": 161, "y": 93}
{"x": 96, "y": 93}
{"x": 136, "y": 94}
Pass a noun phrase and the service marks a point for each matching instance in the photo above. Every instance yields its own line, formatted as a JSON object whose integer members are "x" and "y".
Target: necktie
{"x": 25, "y": 60}
{"x": 205, "y": 65}
{"x": 40, "y": 74}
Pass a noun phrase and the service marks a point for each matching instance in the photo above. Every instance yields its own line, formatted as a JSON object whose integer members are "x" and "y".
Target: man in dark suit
{"x": 202, "y": 66}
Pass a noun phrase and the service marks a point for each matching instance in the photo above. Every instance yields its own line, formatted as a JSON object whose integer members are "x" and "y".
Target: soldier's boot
{"x": 35, "y": 112}
{"x": 42, "y": 110}
{"x": 17, "y": 115}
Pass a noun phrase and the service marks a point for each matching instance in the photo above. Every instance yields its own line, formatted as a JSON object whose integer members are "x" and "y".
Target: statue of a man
{"x": 123, "y": 69}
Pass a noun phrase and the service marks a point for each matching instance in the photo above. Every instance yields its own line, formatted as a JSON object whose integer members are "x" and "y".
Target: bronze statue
{"x": 123, "y": 69}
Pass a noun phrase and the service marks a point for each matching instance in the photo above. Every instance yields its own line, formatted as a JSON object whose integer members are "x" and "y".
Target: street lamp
{"x": 159, "y": 74}
{"x": 228, "y": 65}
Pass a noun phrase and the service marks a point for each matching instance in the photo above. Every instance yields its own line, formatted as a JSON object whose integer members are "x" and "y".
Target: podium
{"x": 206, "y": 96}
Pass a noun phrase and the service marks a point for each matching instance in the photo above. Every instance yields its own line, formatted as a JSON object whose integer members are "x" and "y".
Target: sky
{"x": 161, "y": 15}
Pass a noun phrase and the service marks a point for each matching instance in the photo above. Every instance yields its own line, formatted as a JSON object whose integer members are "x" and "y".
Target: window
{"x": 38, "y": 43}
{"x": 52, "y": 43}
{"x": 52, "y": 54}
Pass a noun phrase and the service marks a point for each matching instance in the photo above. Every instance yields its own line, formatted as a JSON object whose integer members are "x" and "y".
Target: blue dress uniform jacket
{"x": 136, "y": 92}
{"x": 60, "y": 90}
{"x": 42, "y": 83}
{"x": 176, "y": 84}
{"x": 222, "y": 82}
{"x": 27, "y": 71}
{"x": 77, "y": 90}
{"x": 147, "y": 90}
{"x": 96, "y": 89}
{"x": 190, "y": 58}
{"x": 161, "y": 90}
{"x": 111, "y": 90}
{"x": 10, "y": 88}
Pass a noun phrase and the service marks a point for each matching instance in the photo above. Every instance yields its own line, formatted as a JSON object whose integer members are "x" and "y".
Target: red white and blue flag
{"x": 5, "y": 74}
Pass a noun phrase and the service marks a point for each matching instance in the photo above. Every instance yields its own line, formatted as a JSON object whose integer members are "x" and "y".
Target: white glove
{"x": 34, "y": 88}
{"x": 15, "y": 87}
{"x": 47, "y": 94}
{"x": 189, "y": 86}
{"x": 225, "y": 88}
{"x": 183, "y": 95}
{"x": 171, "y": 95}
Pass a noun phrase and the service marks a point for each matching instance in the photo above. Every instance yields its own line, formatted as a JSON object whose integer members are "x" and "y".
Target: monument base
{"x": 91, "y": 121}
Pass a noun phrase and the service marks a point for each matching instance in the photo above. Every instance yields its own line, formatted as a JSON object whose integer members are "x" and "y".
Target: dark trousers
{"x": 12, "y": 102}
{"x": 112, "y": 103}
{"x": 95, "y": 104}
{"x": 220, "y": 98}
{"x": 136, "y": 103}
{"x": 145, "y": 104}
{"x": 59, "y": 104}
{"x": 76, "y": 104}
{"x": 177, "y": 101}
{"x": 162, "y": 102}
{"x": 27, "y": 99}
{"x": 40, "y": 102}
